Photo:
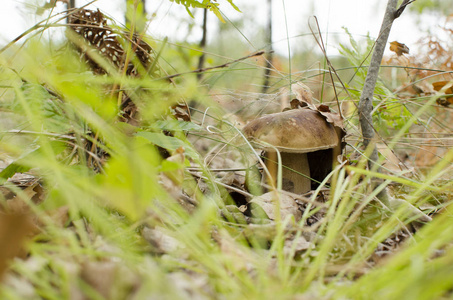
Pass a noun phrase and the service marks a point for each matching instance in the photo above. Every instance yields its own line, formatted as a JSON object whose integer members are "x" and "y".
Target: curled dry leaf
{"x": 399, "y": 48}
{"x": 302, "y": 92}
{"x": 181, "y": 111}
{"x": 305, "y": 99}
{"x": 31, "y": 187}
{"x": 412, "y": 211}
{"x": 295, "y": 104}
{"x": 331, "y": 117}
{"x": 439, "y": 85}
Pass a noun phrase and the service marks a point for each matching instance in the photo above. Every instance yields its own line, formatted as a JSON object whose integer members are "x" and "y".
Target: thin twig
{"x": 366, "y": 99}
{"x": 57, "y": 135}
{"x": 321, "y": 45}
{"x": 227, "y": 64}
{"x": 268, "y": 67}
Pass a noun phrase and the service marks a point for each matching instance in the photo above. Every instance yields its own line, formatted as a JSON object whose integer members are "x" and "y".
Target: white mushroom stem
{"x": 295, "y": 166}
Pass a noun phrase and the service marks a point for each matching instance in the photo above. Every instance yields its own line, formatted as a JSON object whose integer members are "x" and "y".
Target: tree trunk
{"x": 203, "y": 43}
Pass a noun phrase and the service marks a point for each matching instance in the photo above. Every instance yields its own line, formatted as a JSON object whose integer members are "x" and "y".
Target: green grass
{"x": 109, "y": 226}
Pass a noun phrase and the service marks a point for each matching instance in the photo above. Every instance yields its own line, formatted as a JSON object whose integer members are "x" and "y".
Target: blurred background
{"x": 290, "y": 19}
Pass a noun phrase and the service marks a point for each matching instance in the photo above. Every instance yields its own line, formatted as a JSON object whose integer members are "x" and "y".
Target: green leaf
{"x": 12, "y": 169}
{"x": 168, "y": 142}
{"x": 24, "y": 162}
{"x": 168, "y": 166}
{"x": 216, "y": 12}
{"x": 234, "y": 6}
{"x": 208, "y": 4}
{"x": 131, "y": 181}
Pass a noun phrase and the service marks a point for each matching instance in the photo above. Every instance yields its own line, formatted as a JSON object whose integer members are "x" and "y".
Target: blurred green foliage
{"x": 392, "y": 115}
{"x": 423, "y": 6}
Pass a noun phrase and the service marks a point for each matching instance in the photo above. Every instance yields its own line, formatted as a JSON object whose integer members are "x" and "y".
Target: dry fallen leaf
{"x": 296, "y": 246}
{"x": 399, "y": 48}
{"x": 412, "y": 211}
{"x": 288, "y": 205}
{"x": 304, "y": 99}
{"x": 303, "y": 92}
{"x": 160, "y": 240}
{"x": 448, "y": 99}
{"x": 14, "y": 228}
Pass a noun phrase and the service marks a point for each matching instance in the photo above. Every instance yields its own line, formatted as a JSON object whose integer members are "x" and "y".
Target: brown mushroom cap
{"x": 293, "y": 131}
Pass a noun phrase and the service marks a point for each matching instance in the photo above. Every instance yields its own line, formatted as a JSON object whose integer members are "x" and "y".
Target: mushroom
{"x": 294, "y": 133}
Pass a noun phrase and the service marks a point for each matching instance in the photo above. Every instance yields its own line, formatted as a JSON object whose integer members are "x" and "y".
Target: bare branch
{"x": 366, "y": 99}
{"x": 402, "y": 7}
{"x": 225, "y": 65}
